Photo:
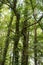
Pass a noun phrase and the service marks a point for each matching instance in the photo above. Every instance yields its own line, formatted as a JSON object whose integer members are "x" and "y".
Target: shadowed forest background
{"x": 21, "y": 32}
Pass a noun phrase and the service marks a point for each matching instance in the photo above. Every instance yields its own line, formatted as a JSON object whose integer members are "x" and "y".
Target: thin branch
{"x": 37, "y": 21}
{"x": 34, "y": 14}
{"x": 32, "y": 23}
{"x": 33, "y": 9}
{"x": 12, "y": 30}
{"x": 7, "y": 4}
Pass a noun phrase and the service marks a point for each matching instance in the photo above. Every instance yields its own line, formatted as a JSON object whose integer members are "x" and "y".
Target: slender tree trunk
{"x": 35, "y": 45}
{"x": 25, "y": 33}
{"x": 25, "y": 46}
{"x": 15, "y": 60}
{"x": 15, "y": 49}
{"x": 0, "y": 54}
{"x": 7, "y": 41}
{"x": 35, "y": 36}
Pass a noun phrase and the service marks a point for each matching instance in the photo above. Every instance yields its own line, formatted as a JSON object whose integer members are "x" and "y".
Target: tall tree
{"x": 7, "y": 41}
{"x": 16, "y": 40}
{"x": 25, "y": 33}
{"x": 35, "y": 44}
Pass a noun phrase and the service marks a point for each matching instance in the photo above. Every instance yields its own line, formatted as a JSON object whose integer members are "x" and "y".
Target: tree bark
{"x": 25, "y": 52}
{"x": 25, "y": 45}
{"x": 25, "y": 33}
{"x": 15, "y": 60}
{"x": 35, "y": 45}
{"x": 7, "y": 41}
{"x": 15, "y": 49}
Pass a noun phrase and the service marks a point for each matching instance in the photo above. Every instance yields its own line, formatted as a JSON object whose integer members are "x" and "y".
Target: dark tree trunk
{"x": 15, "y": 60}
{"x": 25, "y": 51}
{"x": 25, "y": 33}
{"x": 15, "y": 49}
{"x": 25, "y": 45}
{"x": 35, "y": 45}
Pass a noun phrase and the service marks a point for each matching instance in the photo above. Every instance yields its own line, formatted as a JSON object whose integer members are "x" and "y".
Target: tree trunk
{"x": 25, "y": 45}
{"x": 7, "y": 41}
{"x": 35, "y": 45}
{"x": 25, "y": 51}
{"x": 15, "y": 60}
{"x": 15, "y": 49}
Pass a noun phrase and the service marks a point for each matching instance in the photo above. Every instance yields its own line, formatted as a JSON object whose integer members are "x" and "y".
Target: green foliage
{"x": 25, "y": 10}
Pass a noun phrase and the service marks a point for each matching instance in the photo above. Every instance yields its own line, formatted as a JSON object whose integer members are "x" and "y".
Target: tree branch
{"x": 35, "y": 15}
{"x": 7, "y": 4}
{"x": 37, "y": 21}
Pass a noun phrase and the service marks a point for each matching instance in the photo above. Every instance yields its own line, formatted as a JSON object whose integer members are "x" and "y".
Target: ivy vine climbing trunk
{"x": 7, "y": 40}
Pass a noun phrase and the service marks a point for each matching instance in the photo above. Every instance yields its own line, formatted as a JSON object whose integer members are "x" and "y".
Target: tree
{"x": 21, "y": 32}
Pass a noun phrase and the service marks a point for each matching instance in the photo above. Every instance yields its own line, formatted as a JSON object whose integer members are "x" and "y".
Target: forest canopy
{"x": 21, "y": 32}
